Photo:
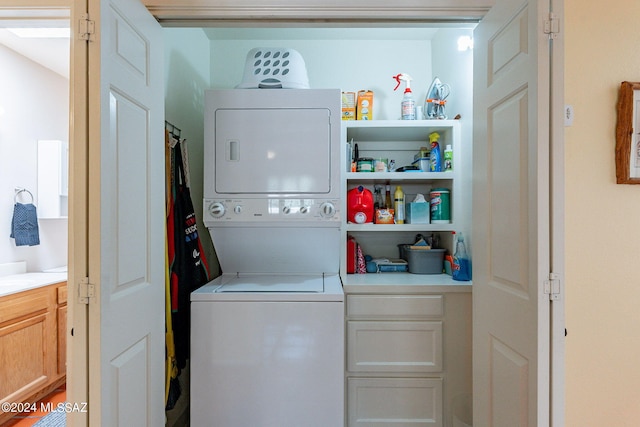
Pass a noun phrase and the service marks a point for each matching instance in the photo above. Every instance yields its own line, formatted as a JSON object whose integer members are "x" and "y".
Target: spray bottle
{"x": 408, "y": 103}
{"x": 435, "y": 161}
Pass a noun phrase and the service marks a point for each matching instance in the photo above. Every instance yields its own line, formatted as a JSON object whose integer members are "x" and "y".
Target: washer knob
{"x": 237, "y": 209}
{"x": 286, "y": 210}
{"x": 304, "y": 209}
{"x": 216, "y": 209}
{"x": 327, "y": 209}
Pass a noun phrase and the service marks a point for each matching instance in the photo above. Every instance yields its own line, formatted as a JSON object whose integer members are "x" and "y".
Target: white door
{"x": 126, "y": 216}
{"x": 511, "y": 214}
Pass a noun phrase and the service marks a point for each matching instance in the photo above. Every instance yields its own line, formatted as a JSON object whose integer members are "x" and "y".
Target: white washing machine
{"x": 267, "y": 340}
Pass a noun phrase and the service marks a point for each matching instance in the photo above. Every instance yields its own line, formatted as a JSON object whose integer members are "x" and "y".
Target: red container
{"x": 359, "y": 205}
{"x": 352, "y": 255}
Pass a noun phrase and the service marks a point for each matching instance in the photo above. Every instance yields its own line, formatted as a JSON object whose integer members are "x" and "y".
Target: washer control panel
{"x": 274, "y": 209}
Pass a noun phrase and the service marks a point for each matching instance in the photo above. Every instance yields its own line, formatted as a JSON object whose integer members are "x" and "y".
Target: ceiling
{"x": 52, "y": 53}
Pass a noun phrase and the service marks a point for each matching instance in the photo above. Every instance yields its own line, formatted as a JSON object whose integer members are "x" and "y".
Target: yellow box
{"x": 348, "y": 105}
{"x": 365, "y": 105}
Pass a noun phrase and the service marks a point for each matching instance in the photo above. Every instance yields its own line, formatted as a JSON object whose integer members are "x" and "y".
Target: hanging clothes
{"x": 187, "y": 265}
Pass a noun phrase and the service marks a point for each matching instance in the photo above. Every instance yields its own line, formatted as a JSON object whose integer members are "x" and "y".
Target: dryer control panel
{"x": 217, "y": 211}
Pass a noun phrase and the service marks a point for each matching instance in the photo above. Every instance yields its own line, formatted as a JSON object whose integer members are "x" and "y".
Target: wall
{"x": 350, "y": 60}
{"x": 34, "y": 104}
{"x": 455, "y": 68}
{"x": 603, "y": 230}
{"x": 187, "y": 69}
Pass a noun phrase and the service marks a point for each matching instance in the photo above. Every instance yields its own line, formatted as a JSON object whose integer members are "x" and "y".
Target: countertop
{"x": 405, "y": 283}
{"x": 15, "y": 283}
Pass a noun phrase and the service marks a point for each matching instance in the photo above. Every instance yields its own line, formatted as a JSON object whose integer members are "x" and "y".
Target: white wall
{"x": 603, "y": 230}
{"x": 455, "y": 68}
{"x": 349, "y": 60}
{"x": 34, "y": 104}
{"x": 187, "y": 73}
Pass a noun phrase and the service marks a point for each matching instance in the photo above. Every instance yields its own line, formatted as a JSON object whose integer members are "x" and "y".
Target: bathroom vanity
{"x": 32, "y": 337}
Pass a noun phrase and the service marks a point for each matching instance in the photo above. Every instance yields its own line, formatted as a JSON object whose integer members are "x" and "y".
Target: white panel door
{"x": 511, "y": 224}
{"x": 126, "y": 216}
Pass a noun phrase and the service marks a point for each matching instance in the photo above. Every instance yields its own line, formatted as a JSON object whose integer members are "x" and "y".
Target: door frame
{"x": 169, "y": 15}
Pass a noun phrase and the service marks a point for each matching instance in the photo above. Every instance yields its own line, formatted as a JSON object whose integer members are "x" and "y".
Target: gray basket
{"x": 423, "y": 261}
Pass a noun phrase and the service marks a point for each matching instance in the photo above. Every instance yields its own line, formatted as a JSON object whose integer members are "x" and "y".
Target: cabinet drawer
{"x": 396, "y": 306}
{"x": 401, "y": 346}
{"x": 62, "y": 294}
{"x": 23, "y": 304}
{"x": 394, "y": 402}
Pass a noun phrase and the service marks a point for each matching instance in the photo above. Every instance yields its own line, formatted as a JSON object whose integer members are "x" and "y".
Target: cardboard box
{"x": 348, "y": 105}
{"x": 365, "y": 105}
{"x": 417, "y": 213}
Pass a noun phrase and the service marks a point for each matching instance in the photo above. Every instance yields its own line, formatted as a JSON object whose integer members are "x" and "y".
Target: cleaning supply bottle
{"x": 448, "y": 158}
{"x": 398, "y": 198}
{"x": 387, "y": 198}
{"x": 435, "y": 161}
{"x": 461, "y": 268}
{"x": 378, "y": 203}
{"x": 408, "y": 106}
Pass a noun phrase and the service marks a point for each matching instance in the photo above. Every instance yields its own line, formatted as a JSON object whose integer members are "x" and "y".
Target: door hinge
{"x": 552, "y": 25}
{"x": 552, "y": 287}
{"x": 86, "y": 291}
{"x": 86, "y": 28}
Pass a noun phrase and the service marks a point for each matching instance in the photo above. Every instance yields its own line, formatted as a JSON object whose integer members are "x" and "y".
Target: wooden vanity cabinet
{"x": 32, "y": 344}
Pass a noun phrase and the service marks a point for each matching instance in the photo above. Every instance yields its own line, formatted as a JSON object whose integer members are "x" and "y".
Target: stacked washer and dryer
{"x": 267, "y": 341}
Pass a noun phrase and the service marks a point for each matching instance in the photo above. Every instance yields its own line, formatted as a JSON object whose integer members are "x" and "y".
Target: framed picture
{"x": 628, "y": 134}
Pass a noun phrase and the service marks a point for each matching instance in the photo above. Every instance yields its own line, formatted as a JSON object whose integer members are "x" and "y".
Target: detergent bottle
{"x": 461, "y": 268}
{"x": 398, "y": 199}
{"x": 408, "y": 106}
{"x": 435, "y": 160}
{"x": 360, "y": 205}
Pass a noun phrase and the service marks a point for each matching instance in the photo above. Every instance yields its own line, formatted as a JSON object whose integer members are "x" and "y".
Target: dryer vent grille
{"x": 269, "y": 68}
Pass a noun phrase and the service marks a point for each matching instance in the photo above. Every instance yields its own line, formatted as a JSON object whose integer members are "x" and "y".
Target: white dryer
{"x": 267, "y": 342}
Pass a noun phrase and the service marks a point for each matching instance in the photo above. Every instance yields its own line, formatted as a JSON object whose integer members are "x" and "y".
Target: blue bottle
{"x": 461, "y": 268}
{"x": 435, "y": 161}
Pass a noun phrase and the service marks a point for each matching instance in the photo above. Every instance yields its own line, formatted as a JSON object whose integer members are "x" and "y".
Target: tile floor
{"x": 30, "y": 418}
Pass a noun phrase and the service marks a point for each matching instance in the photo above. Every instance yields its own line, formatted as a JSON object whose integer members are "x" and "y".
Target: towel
{"x": 24, "y": 225}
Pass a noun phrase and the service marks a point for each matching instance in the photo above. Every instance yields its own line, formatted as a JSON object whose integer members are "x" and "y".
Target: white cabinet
{"x": 408, "y": 354}
{"x": 408, "y": 335}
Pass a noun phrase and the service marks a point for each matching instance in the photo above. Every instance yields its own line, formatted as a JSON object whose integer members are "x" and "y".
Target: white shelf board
{"x": 399, "y": 176}
{"x": 402, "y": 282}
{"x": 400, "y": 227}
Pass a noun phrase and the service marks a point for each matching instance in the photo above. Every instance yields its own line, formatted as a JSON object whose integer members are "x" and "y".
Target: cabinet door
{"x": 394, "y": 346}
{"x": 394, "y": 402}
{"x": 62, "y": 340}
{"x": 62, "y": 329}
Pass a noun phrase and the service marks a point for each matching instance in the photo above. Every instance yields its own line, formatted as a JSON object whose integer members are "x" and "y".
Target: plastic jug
{"x": 359, "y": 205}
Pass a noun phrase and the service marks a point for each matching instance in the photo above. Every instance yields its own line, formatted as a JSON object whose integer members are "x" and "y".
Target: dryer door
{"x": 272, "y": 151}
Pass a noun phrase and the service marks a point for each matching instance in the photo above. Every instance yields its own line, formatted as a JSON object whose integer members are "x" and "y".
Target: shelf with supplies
{"x": 402, "y": 141}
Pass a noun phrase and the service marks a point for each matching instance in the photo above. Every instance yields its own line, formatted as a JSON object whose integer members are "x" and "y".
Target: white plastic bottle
{"x": 448, "y": 158}
{"x": 398, "y": 199}
{"x": 408, "y": 105}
